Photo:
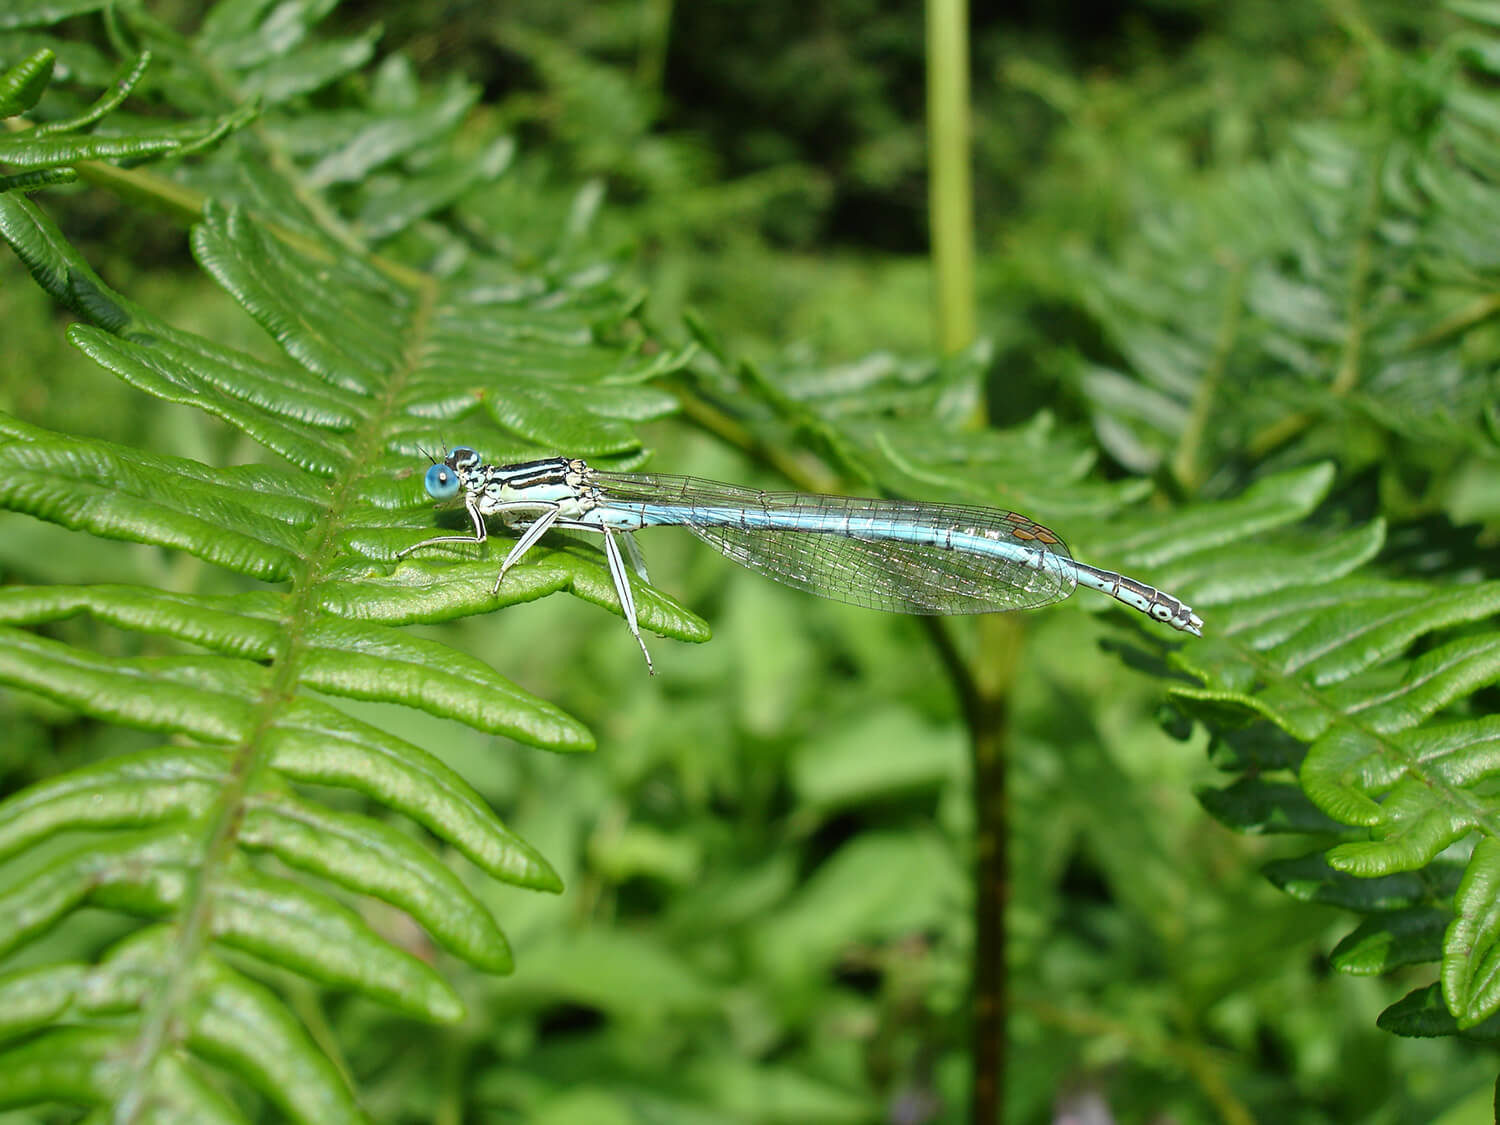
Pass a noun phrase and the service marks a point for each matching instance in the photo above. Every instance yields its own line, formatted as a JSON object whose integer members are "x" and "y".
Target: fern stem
{"x": 306, "y": 1001}
{"x": 312, "y": 201}
{"x": 1360, "y": 271}
{"x": 983, "y": 686}
{"x": 651, "y": 62}
{"x": 1203, "y": 1064}
{"x": 805, "y": 473}
{"x": 1352, "y": 350}
{"x": 1185, "y": 465}
{"x": 1475, "y": 313}
{"x": 984, "y": 689}
{"x": 950, "y": 195}
{"x": 185, "y": 204}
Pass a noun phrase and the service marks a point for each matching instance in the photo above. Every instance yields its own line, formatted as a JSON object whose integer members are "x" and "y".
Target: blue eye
{"x": 441, "y": 482}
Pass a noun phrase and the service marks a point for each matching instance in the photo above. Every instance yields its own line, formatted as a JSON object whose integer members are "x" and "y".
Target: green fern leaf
{"x": 1330, "y": 661}
{"x": 379, "y": 362}
{"x": 44, "y": 150}
{"x": 1359, "y": 669}
{"x": 22, "y": 85}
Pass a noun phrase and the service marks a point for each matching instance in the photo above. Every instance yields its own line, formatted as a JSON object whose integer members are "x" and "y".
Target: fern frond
{"x": 1375, "y": 676}
{"x": 46, "y": 150}
{"x": 1342, "y": 288}
{"x": 378, "y": 362}
{"x": 22, "y": 85}
{"x": 1336, "y": 303}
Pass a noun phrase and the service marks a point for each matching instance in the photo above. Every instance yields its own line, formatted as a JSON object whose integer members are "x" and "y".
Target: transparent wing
{"x": 884, "y": 554}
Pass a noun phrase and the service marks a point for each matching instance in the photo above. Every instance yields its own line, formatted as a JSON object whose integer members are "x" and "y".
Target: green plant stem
{"x": 185, "y": 205}
{"x": 1205, "y": 1065}
{"x": 651, "y": 60}
{"x": 984, "y": 685}
{"x": 1186, "y": 466}
{"x": 1473, "y": 314}
{"x": 152, "y": 191}
{"x": 1352, "y": 351}
{"x": 950, "y": 198}
{"x": 148, "y": 190}
{"x": 807, "y": 473}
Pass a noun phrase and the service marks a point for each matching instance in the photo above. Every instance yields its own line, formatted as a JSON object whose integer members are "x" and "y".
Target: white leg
{"x": 622, "y": 588}
{"x": 525, "y": 543}
{"x": 481, "y": 533}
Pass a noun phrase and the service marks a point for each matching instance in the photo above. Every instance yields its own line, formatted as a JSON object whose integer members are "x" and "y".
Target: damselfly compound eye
{"x": 441, "y": 483}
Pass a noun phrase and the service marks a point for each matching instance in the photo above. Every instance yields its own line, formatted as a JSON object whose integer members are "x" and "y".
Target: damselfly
{"x": 893, "y": 555}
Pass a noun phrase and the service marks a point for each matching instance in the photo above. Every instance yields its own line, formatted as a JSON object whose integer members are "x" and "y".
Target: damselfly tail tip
{"x": 1169, "y": 611}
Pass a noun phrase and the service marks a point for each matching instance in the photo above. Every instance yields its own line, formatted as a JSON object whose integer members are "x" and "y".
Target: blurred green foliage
{"x": 767, "y": 905}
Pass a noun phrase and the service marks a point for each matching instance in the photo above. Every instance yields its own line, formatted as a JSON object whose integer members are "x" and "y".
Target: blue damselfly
{"x": 894, "y": 555}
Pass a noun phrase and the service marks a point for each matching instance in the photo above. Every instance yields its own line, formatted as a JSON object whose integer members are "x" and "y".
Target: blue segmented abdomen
{"x": 895, "y": 555}
{"x": 1035, "y": 555}
{"x": 885, "y": 554}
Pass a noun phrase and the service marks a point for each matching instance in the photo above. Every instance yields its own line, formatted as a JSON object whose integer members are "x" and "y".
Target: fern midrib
{"x": 1363, "y": 266}
{"x": 252, "y": 757}
{"x": 1352, "y": 349}
{"x": 284, "y": 166}
{"x": 1185, "y": 466}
